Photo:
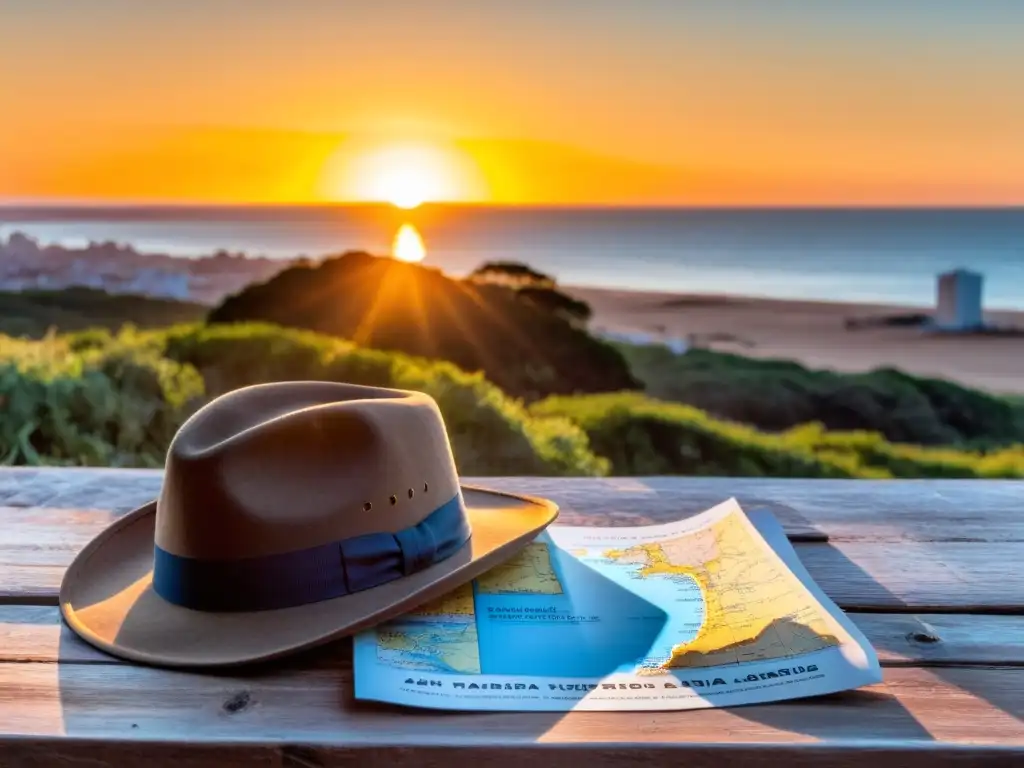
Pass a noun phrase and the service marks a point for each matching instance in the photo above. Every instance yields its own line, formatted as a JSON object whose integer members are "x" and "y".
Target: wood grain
{"x": 944, "y": 639}
{"x": 869, "y": 510}
{"x": 905, "y": 576}
{"x": 34, "y": 633}
{"x": 890, "y": 510}
{"x": 940, "y": 577}
{"x": 913, "y": 706}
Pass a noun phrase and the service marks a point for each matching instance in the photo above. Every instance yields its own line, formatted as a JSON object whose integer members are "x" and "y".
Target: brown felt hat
{"x": 291, "y": 514}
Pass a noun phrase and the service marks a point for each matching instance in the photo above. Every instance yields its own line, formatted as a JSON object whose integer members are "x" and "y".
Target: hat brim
{"x": 107, "y": 598}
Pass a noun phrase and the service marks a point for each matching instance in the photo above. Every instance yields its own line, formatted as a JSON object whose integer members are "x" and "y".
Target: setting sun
{"x": 408, "y": 245}
{"x": 404, "y": 175}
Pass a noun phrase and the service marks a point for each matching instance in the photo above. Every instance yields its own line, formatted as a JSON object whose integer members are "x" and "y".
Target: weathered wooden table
{"x": 932, "y": 571}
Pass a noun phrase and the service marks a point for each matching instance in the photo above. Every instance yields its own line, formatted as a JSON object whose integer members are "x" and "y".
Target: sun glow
{"x": 408, "y": 245}
{"x": 404, "y": 175}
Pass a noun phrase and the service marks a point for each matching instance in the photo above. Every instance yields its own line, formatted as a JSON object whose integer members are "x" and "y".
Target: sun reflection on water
{"x": 408, "y": 245}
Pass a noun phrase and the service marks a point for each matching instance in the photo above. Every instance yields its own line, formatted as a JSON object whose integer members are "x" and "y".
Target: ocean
{"x": 872, "y": 255}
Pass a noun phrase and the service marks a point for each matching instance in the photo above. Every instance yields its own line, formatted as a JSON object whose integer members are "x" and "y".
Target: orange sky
{"x": 606, "y": 103}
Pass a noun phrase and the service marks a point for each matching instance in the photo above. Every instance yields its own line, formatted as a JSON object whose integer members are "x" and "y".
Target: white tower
{"x": 959, "y": 301}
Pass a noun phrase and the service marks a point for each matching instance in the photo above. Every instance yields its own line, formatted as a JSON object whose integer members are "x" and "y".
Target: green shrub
{"x": 777, "y": 395}
{"x": 873, "y": 452}
{"x": 93, "y": 398}
{"x": 490, "y": 433}
{"x": 642, "y": 436}
{"x": 116, "y": 405}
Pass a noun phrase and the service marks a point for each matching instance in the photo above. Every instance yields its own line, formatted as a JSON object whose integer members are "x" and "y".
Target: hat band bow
{"x": 310, "y": 575}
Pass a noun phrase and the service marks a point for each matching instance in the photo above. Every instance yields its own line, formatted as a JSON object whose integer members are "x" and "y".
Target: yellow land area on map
{"x": 458, "y": 602}
{"x": 528, "y": 573}
{"x": 756, "y": 609}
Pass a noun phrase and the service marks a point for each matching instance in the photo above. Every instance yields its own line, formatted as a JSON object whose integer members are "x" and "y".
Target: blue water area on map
{"x": 606, "y": 621}
{"x": 679, "y": 595}
{"x": 436, "y": 644}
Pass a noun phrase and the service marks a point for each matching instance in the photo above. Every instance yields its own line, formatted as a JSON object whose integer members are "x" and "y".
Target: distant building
{"x": 959, "y": 305}
{"x": 679, "y": 346}
{"x": 157, "y": 282}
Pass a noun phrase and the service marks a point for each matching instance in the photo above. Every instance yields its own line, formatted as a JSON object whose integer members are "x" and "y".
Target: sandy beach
{"x": 815, "y": 333}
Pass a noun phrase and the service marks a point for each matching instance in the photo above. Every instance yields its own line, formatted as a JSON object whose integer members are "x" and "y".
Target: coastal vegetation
{"x": 512, "y": 324}
{"x": 776, "y": 395}
{"x": 98, "y": 398}
{"x": 639, "y": 435}
{"x": 31, "y": 314}
{"x": 105, "y": 380}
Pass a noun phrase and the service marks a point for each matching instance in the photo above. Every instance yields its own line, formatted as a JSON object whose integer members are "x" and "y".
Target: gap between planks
{"x": 36, "y": 634}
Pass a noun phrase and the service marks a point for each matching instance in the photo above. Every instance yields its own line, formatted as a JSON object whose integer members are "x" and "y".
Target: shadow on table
{"x": 102, "y": 695}
{"x": 846, "y": 708}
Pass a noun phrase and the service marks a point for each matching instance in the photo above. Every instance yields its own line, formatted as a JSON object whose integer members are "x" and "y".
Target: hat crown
{"x": 277, "y": 468}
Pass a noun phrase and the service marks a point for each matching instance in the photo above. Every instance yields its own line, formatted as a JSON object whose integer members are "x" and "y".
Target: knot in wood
{"x": 238, "y": 702}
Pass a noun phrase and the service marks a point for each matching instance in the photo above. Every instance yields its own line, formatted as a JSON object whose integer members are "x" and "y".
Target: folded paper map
{"x": 715, "y": 610}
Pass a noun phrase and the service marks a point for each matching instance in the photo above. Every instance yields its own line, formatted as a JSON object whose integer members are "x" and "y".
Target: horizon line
{"x": 179, "y": 205}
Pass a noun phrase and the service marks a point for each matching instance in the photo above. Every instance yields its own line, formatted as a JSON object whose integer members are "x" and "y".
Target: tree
{"x": 573, "y": 310}
{"x": 514, "y": 274}
{"x": 536, "y": 287}
{"x": 528, "y": 341}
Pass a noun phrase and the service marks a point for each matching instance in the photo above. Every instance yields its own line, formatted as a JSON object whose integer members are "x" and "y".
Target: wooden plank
{"x": 33, "y": 752}
{"x": 944, "y": 639}
{"x": 888, "y": 510}
{"x": 929, "y": 577}
{"x": 914, "y": 710}
{"x": 906, "y": 576}
{"x": 638, "y": 501}
{"x": 869, "y": 510}
{"x": 34, "y": 633}
{"x": 72, "y": 487}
